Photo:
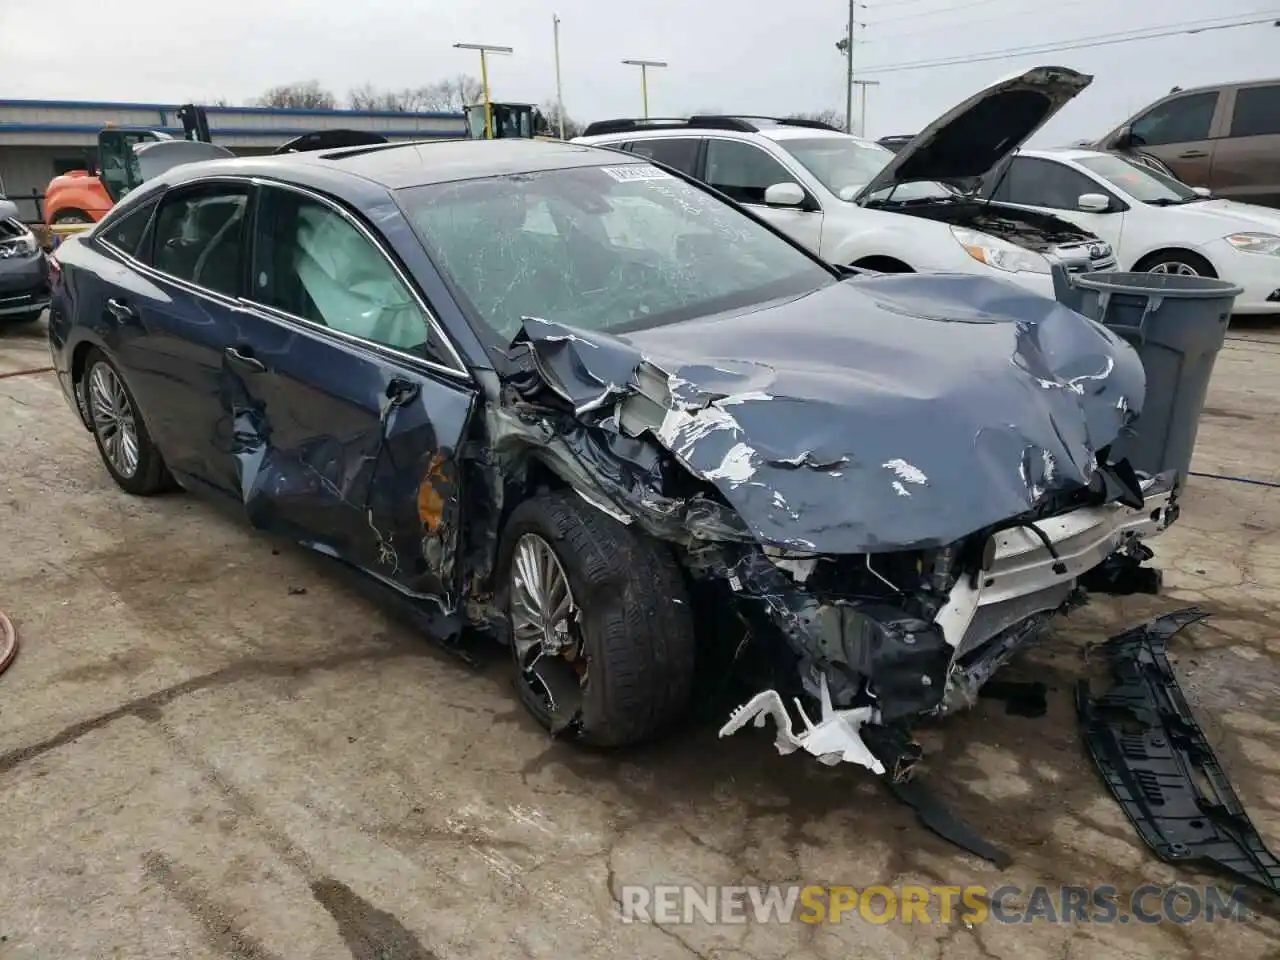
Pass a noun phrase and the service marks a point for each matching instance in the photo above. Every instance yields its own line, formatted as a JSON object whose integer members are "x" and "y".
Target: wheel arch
{"x": 1152, "y": 256}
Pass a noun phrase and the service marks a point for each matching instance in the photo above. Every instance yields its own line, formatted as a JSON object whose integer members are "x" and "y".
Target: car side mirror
{"x": 1202, "y": 191}
{"x": 1094, "y": 203}
{"x": 1122, "y": 140}
{"x": 784, "y": 195}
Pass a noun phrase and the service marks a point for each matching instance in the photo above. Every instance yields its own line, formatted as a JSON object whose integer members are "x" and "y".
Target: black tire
{"x": 72, "y": 216}
{"x": 150, "y": 476}
{"x": 1172, "y": 259}
{"x": 636, "y": 626}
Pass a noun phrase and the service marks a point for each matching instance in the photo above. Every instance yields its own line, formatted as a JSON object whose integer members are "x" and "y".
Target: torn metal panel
{"x": 878, "y": 414}
{"x": 1158, "y": 763}
{"x": 365, "y": 470}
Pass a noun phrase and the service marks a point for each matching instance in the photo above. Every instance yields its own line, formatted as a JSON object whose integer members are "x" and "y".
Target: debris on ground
{"x": 1159, "y": 765}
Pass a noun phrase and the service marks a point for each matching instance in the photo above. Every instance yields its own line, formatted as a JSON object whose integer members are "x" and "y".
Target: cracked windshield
{"x": 606, "y": 247}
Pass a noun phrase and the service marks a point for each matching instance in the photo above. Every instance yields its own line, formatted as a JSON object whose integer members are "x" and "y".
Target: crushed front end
{"x": 882, "y": 640}
{"x": 888, "y": 487}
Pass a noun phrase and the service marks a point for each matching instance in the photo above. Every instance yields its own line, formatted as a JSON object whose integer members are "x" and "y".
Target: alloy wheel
{"x": 113, "y": 419}
{"x": 546, "y": 633}
{"x": 1176, "y": 268}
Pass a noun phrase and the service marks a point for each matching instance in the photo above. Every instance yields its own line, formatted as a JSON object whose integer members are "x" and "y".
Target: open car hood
{"x": 884, "y": 413}
{"x": 968, "y": 141}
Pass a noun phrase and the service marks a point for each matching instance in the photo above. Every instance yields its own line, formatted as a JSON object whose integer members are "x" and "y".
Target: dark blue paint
{"x": 878, "y": 414}
{"x": 307, "y": 438}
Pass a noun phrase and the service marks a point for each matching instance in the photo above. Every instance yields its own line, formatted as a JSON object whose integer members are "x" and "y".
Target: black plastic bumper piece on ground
{"x": 894, "y": 747}
{"x": 1158, "y": 764}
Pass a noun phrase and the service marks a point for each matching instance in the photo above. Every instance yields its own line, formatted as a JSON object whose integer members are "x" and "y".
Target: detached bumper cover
{"x": 1157, "y": 762}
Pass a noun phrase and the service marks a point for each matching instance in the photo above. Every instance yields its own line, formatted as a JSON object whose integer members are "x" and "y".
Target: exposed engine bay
{"x": 1041, "y": 232}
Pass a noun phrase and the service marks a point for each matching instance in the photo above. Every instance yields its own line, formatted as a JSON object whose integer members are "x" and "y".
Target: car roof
{"x": 778, "y": 132}
{"x": 399, "y": 165}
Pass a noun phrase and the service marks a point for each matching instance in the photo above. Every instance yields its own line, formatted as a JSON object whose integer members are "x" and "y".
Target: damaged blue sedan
{"x": 570, "y": 399}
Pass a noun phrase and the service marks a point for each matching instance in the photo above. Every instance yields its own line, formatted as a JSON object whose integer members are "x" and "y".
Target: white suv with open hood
{"x": 845, "y": 198}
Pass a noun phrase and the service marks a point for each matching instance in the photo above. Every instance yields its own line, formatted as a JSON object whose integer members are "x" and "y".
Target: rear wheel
{"x": 119, "y": 431}
{"x": 72, "y": 216}
{"x": 600, "y": 626}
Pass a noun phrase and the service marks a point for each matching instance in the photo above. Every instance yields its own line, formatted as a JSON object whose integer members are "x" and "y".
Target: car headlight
{"x": 1255, "y": 243}
{"x": 22, "y": 246}
{"x": 998, "y": 253}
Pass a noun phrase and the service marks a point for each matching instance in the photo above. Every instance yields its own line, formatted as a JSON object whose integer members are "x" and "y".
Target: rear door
{"x": 744, "y": 171}
{"x": 350, "y": 406}
{"x": 680, "y": 153}
{"x": 1246, "y": 163}
{"x": 1180, "y": 132}
{"x": 170, "y": 321}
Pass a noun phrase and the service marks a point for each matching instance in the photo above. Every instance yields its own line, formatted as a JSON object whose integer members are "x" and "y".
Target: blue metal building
{"x": 40, "y": 139}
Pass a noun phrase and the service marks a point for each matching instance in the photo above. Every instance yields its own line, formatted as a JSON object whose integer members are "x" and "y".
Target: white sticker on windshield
{"x": 637, "y": 171}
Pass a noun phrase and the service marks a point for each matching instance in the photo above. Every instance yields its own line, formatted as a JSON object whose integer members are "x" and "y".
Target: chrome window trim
{"x": 460, "y": 372}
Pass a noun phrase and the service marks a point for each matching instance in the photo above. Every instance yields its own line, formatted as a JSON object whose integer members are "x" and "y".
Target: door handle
{"x": 245, "y": 359}
{"x": 121, "y": 310}
{"x": 1193, "y": 154}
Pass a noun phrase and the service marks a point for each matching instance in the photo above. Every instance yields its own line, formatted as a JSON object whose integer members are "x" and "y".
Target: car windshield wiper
{"x": 1174, "y": 201}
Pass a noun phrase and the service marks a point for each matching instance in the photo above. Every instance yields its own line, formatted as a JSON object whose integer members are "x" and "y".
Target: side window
{"x": 126, "y": 233}
{"x": 743, "y": 171}
{"x": 678, "y": 152}
{"x": 310, "y": 261}
{"x": 199, "y": 236}
{"x": 1044, "y": 183}
{"x": 1177, "y": 121}
{"x": 1257, "y": 112}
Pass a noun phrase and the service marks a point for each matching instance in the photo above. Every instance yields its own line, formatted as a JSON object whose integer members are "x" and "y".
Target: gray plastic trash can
{"x": 1177, "y": 324}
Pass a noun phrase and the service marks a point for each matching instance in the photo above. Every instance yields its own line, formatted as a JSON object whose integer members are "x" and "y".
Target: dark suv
{"x": 1224, "y": 137}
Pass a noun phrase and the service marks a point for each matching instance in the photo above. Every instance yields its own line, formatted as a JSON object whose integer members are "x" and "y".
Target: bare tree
{"x": 307, "y": 95}
{"x": 369, "y": 97}
{"x": 451, "y": 95}
{"x": 833, "y": 118}
{"x": 551, "y": 111}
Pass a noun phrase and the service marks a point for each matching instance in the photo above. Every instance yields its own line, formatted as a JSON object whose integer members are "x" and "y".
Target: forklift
{"x": 506, "y": 121}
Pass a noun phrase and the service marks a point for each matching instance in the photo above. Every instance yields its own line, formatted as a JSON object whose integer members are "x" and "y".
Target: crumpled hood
{"x": 879, "y": 413}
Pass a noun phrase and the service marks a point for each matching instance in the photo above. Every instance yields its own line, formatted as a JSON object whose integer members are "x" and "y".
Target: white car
{"x": 855, "y": 203}
{"x": 1155, "y": 223}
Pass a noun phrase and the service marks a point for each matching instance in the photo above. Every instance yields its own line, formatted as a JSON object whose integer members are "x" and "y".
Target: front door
{"x": 743, "y": 172}
{"x": 348, "y": 417}
{"x": 1177, "y": 132}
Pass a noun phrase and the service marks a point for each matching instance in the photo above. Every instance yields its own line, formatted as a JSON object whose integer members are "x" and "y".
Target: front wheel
{"x": 126, "y": 447}
{"x": 1180, "y": 263}
{"x": 601, "y": 631}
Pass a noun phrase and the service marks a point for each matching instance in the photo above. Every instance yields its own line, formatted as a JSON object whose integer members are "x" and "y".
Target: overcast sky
{"x": 749, "y": 56}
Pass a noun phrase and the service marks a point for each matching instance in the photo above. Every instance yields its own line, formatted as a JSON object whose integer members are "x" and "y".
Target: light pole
{"x": 555, "y": 21}
{"x": 644, "y": 66}
{"x": 484, "y": 48}
{"x": 862, "y": 122}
